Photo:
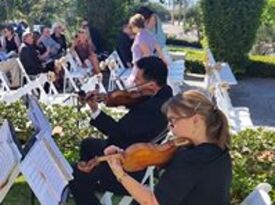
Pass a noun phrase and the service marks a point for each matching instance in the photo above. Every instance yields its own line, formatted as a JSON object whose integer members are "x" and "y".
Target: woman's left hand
{"x": 114, "y": 162}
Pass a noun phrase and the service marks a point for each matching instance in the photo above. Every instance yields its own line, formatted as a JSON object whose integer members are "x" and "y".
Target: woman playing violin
{"x": 197, "y": 174}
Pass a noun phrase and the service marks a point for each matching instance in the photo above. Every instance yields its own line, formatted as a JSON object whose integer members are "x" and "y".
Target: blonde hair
{"x": 137, "y": 20}
{"x": 195, "y": 102}
{"x": 56, "y": 25}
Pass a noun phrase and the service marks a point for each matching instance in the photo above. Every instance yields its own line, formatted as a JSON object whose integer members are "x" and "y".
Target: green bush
{"x": 257, "y": 66}
{"x": 185, "y": 43}
{"x": 230, "y": 28}
{"x": 253, "y": 162}
{"x": 108, "y": 15}
{"x": 261, "y": 66}
{"x": 194, "y": 58}
{"x": 104, "y": 15}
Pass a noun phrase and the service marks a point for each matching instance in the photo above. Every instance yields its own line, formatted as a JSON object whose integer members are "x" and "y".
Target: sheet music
{"x": 9, "y": 160}
{"x": 45, "y": 172}
{"x": 37, "y": 116}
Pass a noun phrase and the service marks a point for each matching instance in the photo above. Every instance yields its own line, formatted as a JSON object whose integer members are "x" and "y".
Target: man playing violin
{"x": 143, "y": 122}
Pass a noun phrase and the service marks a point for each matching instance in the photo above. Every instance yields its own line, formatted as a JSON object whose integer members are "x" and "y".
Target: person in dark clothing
{"x": 29, "y": 56}
{"x": 96, "y": 39}
{"x": 200, "y": 173}
{"x": 124, "y": 43}
{"x": 130, "y": 129}
{"x": 11, "y": 41}
{"x": 60, "y": 38}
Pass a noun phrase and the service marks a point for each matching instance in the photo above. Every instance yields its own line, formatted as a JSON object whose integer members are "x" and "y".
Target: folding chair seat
{"x": 74, "y": 74}
{"x": 259, "y": 196}
{"x": 92, "y": 84}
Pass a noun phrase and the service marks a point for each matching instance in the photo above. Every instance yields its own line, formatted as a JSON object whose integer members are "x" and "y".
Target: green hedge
{"x": 230, "y": 27}
{"x": 252, "y": 150}
{"x": 257, "y": 66}
{"x": 261, "y": 66}
{"x": 181, "y": 42}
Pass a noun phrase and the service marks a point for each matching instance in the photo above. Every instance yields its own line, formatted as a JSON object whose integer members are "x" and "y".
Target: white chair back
{"x": 93, "y": 82}
{"x": 259, "y": 196}
{"x": 4, "y": 82}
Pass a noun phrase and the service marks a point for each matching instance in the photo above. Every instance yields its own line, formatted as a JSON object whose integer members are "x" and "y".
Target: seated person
{"x": 197, "y": 174}
{"x": 11, "y": 42}
{"x": 96, "y": 39}
{"x": 3, "y": 54}
{"x": 47, "y": 40}
{"x": 59, "y": 37}
{"x": 124, "y": 43}
{"x": 131, "y": 128}
{"x": 48, "y": 63}
{"x": 11, "y": 66}
{"x": 29, "y": 56}
{"x": 85, "y": 52}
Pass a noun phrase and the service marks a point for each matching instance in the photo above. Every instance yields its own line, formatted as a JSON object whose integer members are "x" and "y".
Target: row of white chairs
{"x": 218, "y": 79}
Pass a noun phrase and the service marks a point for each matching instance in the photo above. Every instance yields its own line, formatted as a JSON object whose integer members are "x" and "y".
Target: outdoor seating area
{"x": 118, "y": 102}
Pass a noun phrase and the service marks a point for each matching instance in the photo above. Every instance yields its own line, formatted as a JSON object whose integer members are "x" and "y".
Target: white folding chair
{"x": 223, "y": 74}
{"x": 118, "y": 73}
{"x": 28, "y": 88}
{"x": 238, "y": 117}
{"x": 4, "y": 82}
{"x": 176, "y": 75}
{"x": 74, "y": 73}
{"x": 92, "y": 84}
{"x": 259, "y": 196}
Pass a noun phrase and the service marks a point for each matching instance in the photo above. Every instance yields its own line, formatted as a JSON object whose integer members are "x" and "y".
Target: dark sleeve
{"x": 123, "y": 49}
{"x": 175, "y": 185}
{"x": 65, "y": 43}
{"x": 107, "y": 125}
{"x": 30, "y": 61}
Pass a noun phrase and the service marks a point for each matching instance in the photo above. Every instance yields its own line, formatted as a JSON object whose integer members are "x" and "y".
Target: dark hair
{"x": 137, "y": 20}
{"x": 42, "y": 29}
{"x": 10, "y": 28}
{"x": 145, "y": 12}
{"x": 36, "y": 36}
{"x": 153, "y": 69}
{"x": 195, "y": 102}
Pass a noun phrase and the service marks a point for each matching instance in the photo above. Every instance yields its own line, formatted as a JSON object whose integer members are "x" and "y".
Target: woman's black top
{"x": 11, "y": 45}
{"x": 196, "y": 175}
{"x": 61, "y": 40}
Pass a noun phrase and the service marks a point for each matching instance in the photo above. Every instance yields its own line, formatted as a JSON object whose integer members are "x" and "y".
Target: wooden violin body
{"x": 115, "y": 98}
{"x": 139, "y": 156}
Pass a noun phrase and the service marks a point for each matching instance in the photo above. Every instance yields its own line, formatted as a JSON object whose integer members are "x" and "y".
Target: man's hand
{"x": 87, "y": 167}
{"x": 91, "y": 100}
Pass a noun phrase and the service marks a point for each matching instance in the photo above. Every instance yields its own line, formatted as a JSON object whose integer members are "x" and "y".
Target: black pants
{"x": 100, "y": 179}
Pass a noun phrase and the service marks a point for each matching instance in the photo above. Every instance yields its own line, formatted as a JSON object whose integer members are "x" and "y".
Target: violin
{"x": 139, "y": 156}
{"x": 117, "y": 98}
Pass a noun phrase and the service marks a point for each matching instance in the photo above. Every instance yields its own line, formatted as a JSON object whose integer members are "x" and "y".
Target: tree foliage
{"x": 230, "y": 27}
{"x": 268, "y": 16}
{"x": 36, "y": 11}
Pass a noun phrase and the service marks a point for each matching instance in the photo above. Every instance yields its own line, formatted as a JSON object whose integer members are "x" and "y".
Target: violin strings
{"x": 160, "y": 136}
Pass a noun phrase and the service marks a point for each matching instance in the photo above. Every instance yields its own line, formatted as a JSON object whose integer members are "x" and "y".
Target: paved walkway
{"x": 257, "y": 94}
